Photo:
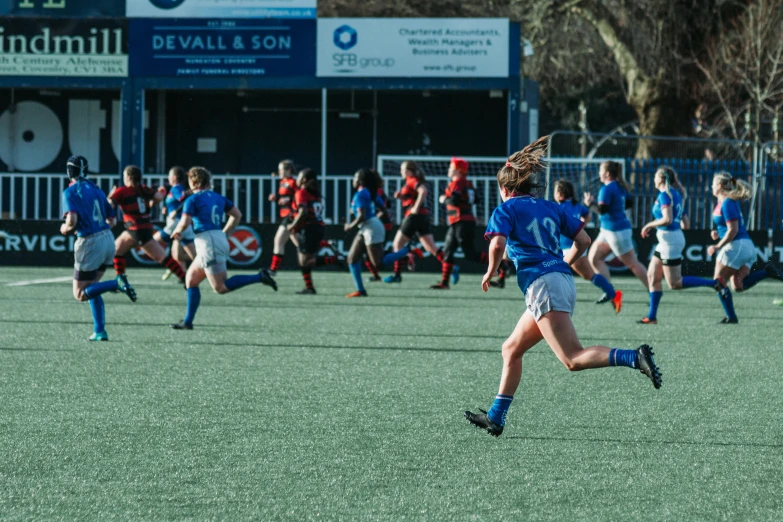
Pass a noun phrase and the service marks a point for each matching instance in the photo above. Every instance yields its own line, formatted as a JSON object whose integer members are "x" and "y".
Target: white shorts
{"x": 212, "y": 251}
{"x": 373, "y": 232}
{"x": 738, "y": 253}
{"x": 94, "y": 252}
{"x": 671, "y": 243}
{"x": 619, "y": 241}
{"x": 187, "y": 236}
{"x": 552, "y": 292}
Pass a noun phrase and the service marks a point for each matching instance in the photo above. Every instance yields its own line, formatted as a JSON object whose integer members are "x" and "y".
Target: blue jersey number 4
{"x": 97, "y": 214}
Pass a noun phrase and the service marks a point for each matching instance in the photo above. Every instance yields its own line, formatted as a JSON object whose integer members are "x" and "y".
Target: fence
{"x": 37, "y": 196}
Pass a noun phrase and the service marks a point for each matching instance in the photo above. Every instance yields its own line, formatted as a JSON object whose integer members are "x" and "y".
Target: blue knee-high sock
{"x": 655, "y": 300}
{"x": 356, "y": 273}
{"x": 98, "y": 314}
{"x": 390, "y": 258}
{"x": 752, "y": 279}
{"x": 693, "y": 282}
{"x": 497, "y": 413}
{"x": 194, "y": 299}
{"x": 728, "y": 302}
{"x": 96, "y": 289}
{"x": 627, "y": 358}
{"x": 238, "y": 281}
{"x": 604, "y": 284}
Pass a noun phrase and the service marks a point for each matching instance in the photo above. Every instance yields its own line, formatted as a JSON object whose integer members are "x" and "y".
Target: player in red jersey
{"x": 284, "y": 197}
{"x": 308, "y": 225}
{"x": 417, "y": 219}
{"x": 459, "y": 199}
{"x": 136, "y": 200}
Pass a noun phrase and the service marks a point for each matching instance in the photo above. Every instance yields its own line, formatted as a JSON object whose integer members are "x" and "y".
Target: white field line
{"x": 41, "y": 281}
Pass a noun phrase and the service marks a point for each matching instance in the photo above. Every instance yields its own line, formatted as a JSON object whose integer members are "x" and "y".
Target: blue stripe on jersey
{"x": 614, "y": 195}
{"x": 675, "y": 202}
{"x": 89, "y": 203}
{"x": 575, "y": 210}
{"x": 729, "y": 210}
{"x": 207, "y": 208}
{"x": 533, "y": 228}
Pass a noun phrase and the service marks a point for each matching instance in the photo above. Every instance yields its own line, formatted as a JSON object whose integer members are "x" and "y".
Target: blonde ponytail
{"x": 732, "y": 187}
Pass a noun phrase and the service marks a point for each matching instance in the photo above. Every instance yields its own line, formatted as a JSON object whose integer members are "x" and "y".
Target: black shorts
{"x": 284, "y": 222}
{"x": 143, "y": 236}
{"x": 309, "y": 238}
{"x": 416, "y": 224}
{"x": 668, "y": 262}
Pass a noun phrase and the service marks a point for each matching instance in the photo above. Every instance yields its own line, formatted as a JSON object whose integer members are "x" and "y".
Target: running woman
{"x": 382, "y": 204}
{"x": 136, "y": 200}
{"x": 531, "y": 229}
{"x": 615, "y": 235}
{"x": 205, "y": 211}
{"x": 416, "y": 222}
{"x": 308, "y": 225}
{"x": 182, "y": 250}
{"x": 87, "y": 213}
{"x": 370, "y": 236}
{"x": 736, "y": 252}
{"x": 564, "y": 195}
{"x": 284, "y": 198}
{"x": 667, "y": 258}
{"x": 459, "y": 198}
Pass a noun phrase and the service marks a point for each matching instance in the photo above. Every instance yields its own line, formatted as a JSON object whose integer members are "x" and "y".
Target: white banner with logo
{"x": 221, "y": 8}
{"x": 413, "y": 47}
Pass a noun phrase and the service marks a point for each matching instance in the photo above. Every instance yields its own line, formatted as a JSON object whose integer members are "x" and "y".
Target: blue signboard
{"x": 224, "y": 48}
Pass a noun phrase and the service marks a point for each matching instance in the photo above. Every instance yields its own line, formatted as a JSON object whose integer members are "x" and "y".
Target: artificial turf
{"x": 287, "y": 407}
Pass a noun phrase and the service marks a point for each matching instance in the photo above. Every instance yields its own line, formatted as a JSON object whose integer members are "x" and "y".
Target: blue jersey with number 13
{"x": 532, "y": 228}
{"x": 207, "y": 209}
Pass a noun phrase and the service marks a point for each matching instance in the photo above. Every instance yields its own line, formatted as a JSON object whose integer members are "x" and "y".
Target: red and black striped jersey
{"x": 133, "y": 203}
{"x": 313, "y": 207}
{"x": 286, "y": 191}
{"x": 410, "y": 193}
{"x": 460, "y": 197}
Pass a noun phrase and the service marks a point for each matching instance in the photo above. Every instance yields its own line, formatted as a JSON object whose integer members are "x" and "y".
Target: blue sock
{"x": 238, "y": 281}
{"x": 728, "y": 302}
{"x": 497, "y": 413}
{"x": 96, "y": 289}
{"x": 604, "y": 284}
{"x": 750, "y": 281}
{"x": 356, "y": 273}
{"x": 693, "y": 282}
{"x": 194, "y": 299}
{"x": 390, "y": 258}
{"x": 98, "y": 313}
{"x": 627, "y": 358}
{"x": 655, "y": 300}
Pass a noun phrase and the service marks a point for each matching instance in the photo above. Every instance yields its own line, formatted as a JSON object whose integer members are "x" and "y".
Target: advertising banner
{"x": 414, "y": 47}
{"x": 196, "y": 47}
{"x": 93, "y": 47}
{"x": 62, "y": 8}
{"x": 221, "y": 8}
{"x": 39, "y": 243}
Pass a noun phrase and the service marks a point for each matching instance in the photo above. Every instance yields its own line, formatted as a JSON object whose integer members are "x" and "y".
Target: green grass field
{"x": 286, "y": 407}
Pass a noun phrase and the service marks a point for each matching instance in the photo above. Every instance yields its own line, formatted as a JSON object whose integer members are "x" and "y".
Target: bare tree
{"x": 742, "y": 66}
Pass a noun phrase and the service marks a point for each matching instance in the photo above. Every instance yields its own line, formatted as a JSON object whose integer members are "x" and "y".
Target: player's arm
{"x": 666, "y": 219}
{"x": 581, "y": 242}
{"x": 361, "y": 217}
{"x": 234, "y": 217}
{"x": 732, "y": 229}
{"x": 184, "y": 222}
{"x": 71, "y": 218}
{"x": 300, "y": 216}
{"x": 497, "y": 248}
{"x": 422, "y": 197}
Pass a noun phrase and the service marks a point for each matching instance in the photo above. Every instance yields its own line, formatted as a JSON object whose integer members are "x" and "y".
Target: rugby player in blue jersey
{"x": 529, "y": 229}
{"x": 205, "y": 210}
{"x": 615, "y": 235}
{"x": 564, "y": 195}
{"x": 736, "y": 252}
{"x": 87, "y": 213}
{"x": 370, "y": 234}
{"x": 182, "y": 250}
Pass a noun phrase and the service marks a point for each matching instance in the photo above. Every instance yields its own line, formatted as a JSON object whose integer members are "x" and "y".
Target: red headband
{"x": 459, "y": 164}
{"x": 510, "y": 165}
